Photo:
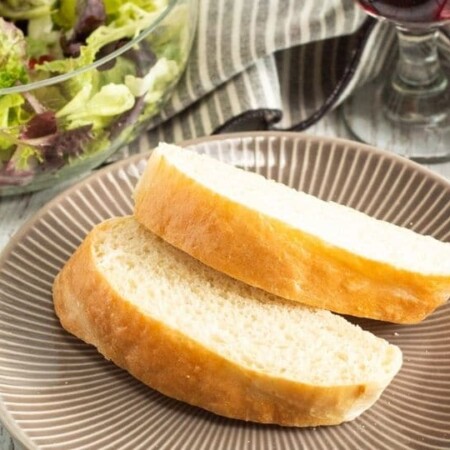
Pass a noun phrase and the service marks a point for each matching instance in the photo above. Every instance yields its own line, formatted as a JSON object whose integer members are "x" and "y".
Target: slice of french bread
{"x": 200, "y": 336}
{"x": 289, "y": 243}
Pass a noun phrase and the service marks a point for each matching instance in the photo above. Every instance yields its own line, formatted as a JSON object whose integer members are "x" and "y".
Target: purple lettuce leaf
{"x": 63, "y": 145}
{"x": 54, "y": 148}
{"x": 39, "y": 126}
{"x": 90, "y": 15}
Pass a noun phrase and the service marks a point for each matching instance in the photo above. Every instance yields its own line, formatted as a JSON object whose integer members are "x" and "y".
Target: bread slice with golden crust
{"x": 202, "y": 337}
{"x": 289, "y": 243}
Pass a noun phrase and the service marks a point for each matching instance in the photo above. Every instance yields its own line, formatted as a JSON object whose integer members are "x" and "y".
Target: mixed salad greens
{"x": 47, "y": 128}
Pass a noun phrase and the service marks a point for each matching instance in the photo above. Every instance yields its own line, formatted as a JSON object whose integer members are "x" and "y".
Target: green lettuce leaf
{"x": 25, "y": 9}
{"x": 12, "y": 55}
{"x": 7, "y": 142}
{"x": 78, "y": 102}
{"x": 155, "y": 83}
{"x": 79, "y": 89}
{"x": 10, "y": 110}
{"x": 65, "y": 15}
{"x": 87, "y": 56}
{"x": 130, "y": 21}
{"x": 12, "y": 116}
{"x": 42, "y": 39}
{"x": 100, "y": 109}
{"x": 113, "y": 6}
{"x": 26, "y": 156}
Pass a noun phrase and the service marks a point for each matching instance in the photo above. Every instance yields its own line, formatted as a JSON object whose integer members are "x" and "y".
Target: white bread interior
{"x": 201, "y": 337}
{"x": 291, "y": 243}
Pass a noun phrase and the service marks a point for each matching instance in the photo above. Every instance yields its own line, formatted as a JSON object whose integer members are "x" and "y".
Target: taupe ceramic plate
{"x": 57, "y": 392}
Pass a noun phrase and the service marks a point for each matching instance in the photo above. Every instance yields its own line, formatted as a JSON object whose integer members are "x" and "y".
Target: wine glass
{"x": 409, "y": 111}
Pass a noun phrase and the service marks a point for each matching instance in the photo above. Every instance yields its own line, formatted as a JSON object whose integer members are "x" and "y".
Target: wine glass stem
{"x": 418, "y": 66}
{"x": 417, "y": 93}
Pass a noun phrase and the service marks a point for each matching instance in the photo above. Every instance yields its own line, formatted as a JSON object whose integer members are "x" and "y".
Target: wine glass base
{"x": 365, "y": 116}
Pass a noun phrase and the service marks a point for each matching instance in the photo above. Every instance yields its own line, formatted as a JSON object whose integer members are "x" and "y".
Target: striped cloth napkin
{"x": 272, "y": 64}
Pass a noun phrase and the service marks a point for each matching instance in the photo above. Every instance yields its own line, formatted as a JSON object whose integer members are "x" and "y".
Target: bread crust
{"x": 180, "y": 367}
{"x": 269, "y": 254}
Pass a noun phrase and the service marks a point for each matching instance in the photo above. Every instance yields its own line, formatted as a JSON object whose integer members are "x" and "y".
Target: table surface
{"x": 15, "y": 211}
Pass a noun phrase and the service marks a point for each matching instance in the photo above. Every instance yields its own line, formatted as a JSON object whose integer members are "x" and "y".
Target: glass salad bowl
{"x": 81, "y": 78}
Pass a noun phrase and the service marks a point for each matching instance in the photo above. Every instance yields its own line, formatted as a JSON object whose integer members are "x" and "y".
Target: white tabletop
{"x": 14, "y": 211}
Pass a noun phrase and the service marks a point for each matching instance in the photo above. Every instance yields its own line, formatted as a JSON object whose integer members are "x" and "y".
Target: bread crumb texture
{"x": 336, "y": 224}
{"x": 247, "y": 326}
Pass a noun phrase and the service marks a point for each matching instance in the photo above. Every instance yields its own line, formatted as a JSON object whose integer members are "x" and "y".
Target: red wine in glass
{"x": 409, "y": 11}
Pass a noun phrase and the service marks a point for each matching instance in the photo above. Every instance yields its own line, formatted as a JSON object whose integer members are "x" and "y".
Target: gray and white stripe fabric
{"x": 265, "y": 64}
